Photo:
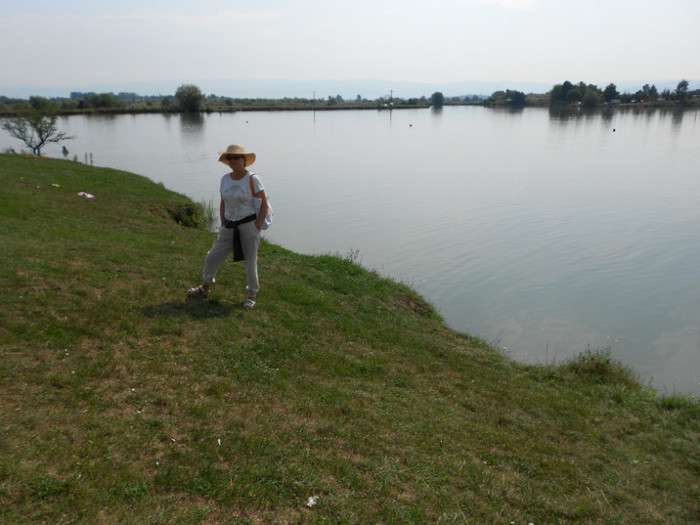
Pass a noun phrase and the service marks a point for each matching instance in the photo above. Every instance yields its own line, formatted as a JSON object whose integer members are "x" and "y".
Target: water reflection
{"x": 676, "y": 118}
{"x": 192, "y": 122}
{"x": 607, "y": 114}
{"x": 564, "y": 112}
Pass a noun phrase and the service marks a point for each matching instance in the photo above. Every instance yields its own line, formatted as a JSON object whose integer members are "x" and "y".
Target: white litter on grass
{"x": 56, "y": 185}
{"x": 219, "y": 442}
{"x": 312, "y": 501}
{"x": 86, "y": 195}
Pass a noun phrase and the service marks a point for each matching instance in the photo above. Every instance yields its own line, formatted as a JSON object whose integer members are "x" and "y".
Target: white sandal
{"x": 199, "y": 290}
{"x": 248, "y": 303}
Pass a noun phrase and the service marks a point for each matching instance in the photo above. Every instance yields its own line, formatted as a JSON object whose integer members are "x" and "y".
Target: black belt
{"x": 237, "y": 248}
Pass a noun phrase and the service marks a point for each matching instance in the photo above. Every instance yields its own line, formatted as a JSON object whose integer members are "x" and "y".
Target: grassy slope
{"x": 123, "y": 400}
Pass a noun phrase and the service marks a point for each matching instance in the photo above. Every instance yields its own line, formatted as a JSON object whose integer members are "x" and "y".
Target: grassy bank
{"x": 125, "y": 401}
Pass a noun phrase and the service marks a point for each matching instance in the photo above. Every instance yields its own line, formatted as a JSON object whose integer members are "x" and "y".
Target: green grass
{"x": 125, "y": 401}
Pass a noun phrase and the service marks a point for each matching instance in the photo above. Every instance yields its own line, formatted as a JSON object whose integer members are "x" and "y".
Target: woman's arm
{"x": 222, "y": 212}
{"x": 264, "y": 207}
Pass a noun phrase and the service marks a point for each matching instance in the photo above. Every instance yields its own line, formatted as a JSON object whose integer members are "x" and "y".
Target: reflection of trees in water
{"x": 676, "y": 114}
{"x": 566, "y": 112}
{"x": 607, "y": 113}
{"x": 191, "y": 122}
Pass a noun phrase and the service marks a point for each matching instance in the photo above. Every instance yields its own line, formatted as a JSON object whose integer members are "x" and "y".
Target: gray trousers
{"x": 223, "y": 247}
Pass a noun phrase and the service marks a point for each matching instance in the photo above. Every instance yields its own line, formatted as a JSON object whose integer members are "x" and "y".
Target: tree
{"x": 591, "y": 99}
{"x": 189, "y": 98}
{"x": 610, "y": 93}
{"x": 682, "y": 91}
{"x": 100, "y": 101}
{"x": 437, "y": 99}
{"x": 574, "y": 95}
{"x": 510, "y": 98}
{"x": 555, "y": 96}
{"x": 653, "y": 93}
{"x": 565, "y": 88}
{"x": 36, "y": 126}
{"x": 515, "y": 99}
{"x": 560, "y": 93}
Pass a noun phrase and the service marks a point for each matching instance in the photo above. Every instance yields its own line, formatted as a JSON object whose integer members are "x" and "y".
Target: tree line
{"x": 591, "y": 96}
{"x": 189, "y": 98}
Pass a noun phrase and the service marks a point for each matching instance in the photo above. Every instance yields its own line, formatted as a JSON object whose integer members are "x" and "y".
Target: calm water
{"x": 545, "y": 235}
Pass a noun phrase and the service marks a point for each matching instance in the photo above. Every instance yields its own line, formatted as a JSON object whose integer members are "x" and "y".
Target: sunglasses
{"x": 234, "y": 157}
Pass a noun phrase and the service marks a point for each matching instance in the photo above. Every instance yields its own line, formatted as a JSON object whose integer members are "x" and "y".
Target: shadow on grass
{"x": 195, "y": 307}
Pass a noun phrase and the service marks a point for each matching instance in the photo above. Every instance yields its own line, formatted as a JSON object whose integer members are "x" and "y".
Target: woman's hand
{"x": 222, "y": 211}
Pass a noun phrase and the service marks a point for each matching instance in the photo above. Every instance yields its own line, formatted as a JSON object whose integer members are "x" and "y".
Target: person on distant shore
{"x": 240, "y": 225}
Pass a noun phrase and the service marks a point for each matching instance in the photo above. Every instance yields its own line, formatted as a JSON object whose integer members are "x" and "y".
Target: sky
{"x": 74, "y": 43}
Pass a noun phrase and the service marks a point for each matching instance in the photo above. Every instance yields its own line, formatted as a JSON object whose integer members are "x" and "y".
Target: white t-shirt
{"x": 238, "y": 199}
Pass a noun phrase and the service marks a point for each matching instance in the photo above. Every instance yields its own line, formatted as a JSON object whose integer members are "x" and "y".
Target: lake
{"x": 544, "y": 234}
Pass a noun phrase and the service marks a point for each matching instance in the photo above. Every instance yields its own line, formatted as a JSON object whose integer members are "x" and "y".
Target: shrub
{"x": 191, "y": 215}
{"x": 599, "y": 364}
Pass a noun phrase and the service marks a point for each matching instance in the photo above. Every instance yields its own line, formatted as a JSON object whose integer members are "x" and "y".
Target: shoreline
{"x": 276, "y": 107}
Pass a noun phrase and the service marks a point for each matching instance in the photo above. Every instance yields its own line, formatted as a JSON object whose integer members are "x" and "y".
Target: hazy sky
{"x": 56, "y": 43}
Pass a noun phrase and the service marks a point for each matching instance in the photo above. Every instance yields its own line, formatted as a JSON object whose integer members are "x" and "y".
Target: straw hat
{"x": 236, "y": 149}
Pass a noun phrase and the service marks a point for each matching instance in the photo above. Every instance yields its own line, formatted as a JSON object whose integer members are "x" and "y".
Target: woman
{"x": 240, "y": 225}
